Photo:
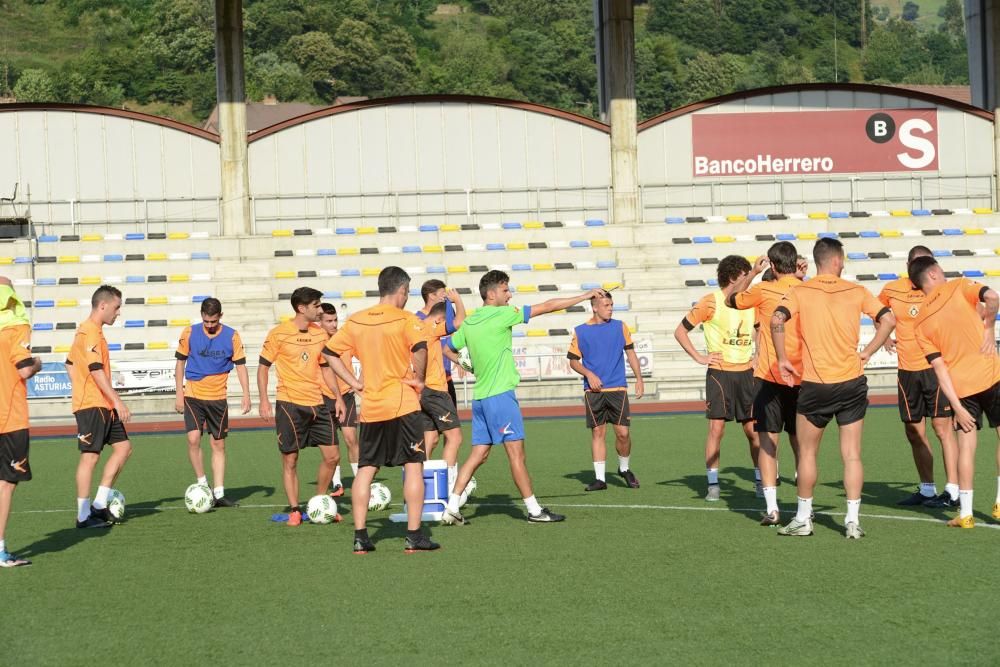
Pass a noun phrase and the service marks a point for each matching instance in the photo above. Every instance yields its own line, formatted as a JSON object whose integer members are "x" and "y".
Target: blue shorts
{"x": 497, "y": 419}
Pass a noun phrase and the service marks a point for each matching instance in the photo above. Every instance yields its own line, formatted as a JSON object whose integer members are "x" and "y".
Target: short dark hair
{"x": 211, "y": 306}
{"x": 390, "y": 279}
{"x": 431, "y": 286}
{"x": 919, "y": 251}
{"x": 917, "y": 269}
{"x": 731, "y": 268}
{"x": 328, "y": 309}
{"x": 303, "y": 296}
{"x": 438, "y": 308}
{"x": 605, "y": 295}
{"x": 105, "y": 293}
{"x": 783, "y": 257}
{"x": 490, "y": 280}
{"x": 825, "y": 249}
{"x": 768, "y": 276}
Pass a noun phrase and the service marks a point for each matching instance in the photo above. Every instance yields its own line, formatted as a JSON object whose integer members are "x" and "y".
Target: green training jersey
{"x": 487, "y": 333}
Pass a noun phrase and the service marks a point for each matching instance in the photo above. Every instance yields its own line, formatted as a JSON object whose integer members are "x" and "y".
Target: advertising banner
{"x": 141, "y": 377}
{"x": 814, "y": 142}
{"x": 50, "y": 382}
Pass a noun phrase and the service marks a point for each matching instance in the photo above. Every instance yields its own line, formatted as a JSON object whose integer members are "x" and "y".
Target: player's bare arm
{"x": 264, "y": 407}
{"x": 788, "y": 371}
{"x": 884, "y": 327}
{"x": 179, "y": 385}
{"x": 553, "y": 305}
{"x": 991, "y": 303}
{"x": 633, "y": 362}
{"x": 244, "y": 377}
{"x": 29, "y": 371}
{"x": 592, "y": 378}
{"x": 743, "y": 282}
{"x": 104, "y": 384}
{"x": 451, "y": 354}
{"x": 341, "y": 370}
{"x": 681, "y": 334}
{"x": 960, "y": 414}
{"x": 456, "y": 300}
{"x": 339, "y": 408}
{"x": 419, "y": 363}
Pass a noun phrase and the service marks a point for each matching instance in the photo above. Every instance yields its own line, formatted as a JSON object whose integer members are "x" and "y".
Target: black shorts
{"x": 774, "y": 408}
{"x": 438, "y": 412}
{"x": 607, "y": 407}
{"x": 452, "y": 393}
{"x": 729, "y": 395}
{"x": 350, "y": 410}
{"x": 210, "y": 417}
{"x": 96, "y": 427}
{"x": 394, "y": 442}
{"x": 985, "y": 402}
{"x": 847, "y": 401}
{"x": 14, "y": 466}
{"x": 301, "y": 426}
{"x": 919, "y": 396}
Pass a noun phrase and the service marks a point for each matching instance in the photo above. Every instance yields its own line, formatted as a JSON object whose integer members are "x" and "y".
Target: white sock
{"x": 853, "y": 507}
{"x": 336, "y": 477}
{"x": 804, "y": 510}
{"x": 219, "y": 491}
{"x": 952, "y": 490}
{"x": 453, "y": 502}
{"x": 599, "y": 470}
{"x": 965, "y": 500}
{"x": 623, "y": 462}
{"x": 82, "y": 509}
{"x": 928, "y": 490}
{"x": 771, "y": 498}
{"x": 202, "y": 481}
{"x": 101, "y": 497}
{"x": 452, "y": 475}
{"x": 713, "y": 476}
{"x": 998, "y": 490}
{"x": 756, "y": 474}
{"x": 3, "y": 546}
{"x": 354, "y": 468}
{"x": 532, "y": 505}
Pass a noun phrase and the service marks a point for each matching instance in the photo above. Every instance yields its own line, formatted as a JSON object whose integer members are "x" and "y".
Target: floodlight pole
{"x": 235, "y": 182}
{"x": 614, "y": 23}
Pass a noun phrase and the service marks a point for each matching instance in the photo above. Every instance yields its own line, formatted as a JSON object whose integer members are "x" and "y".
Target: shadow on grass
{"x": 62, "y": 539}
{"x": 585, "y": 477}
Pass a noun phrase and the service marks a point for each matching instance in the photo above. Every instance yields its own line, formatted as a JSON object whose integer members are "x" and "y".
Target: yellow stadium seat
{"x": 354, "y": 294}
{"x": 900, "y": 213}
{"x": 450, "y": 228}
{"x": 91, "y": 237}
{"x": 284, "y": 274}
{"x": 348, "y": 251}
{"x": 433, "y": 248}
{"x": 543, "y": 266}
{"x": 156, "y": 301}
{"x": 366, "y": 230}
{"x": 67, "y": 303}
{"x": 68, "y": 259}
{"x": 736, "y": 218}
{"x": 371, "y": 271}
{"x": 178, "y": 236}
{"x": 610, "y": 286}
{"x": 993, "y": 273}
{"x": 157, "y": 345}
{"x": 285, "y": 318}
{"x": 182, "y": 322}
{"x": 818, "y": 215}
{"x": 806, "y": 236}
{"x": 90, "y": 280}
{"x": 281, "y": 232}
{"x": 533, "y": 224}
{"x": 156, "y": 256}
{"x": 60, "y": 349}
{"x": 178, "y": 278}
{"x": 723, "y": 239}
{"x": 526, "y": 288}
{"x": 517, "y": 246}
{"x": 537, "y": 333}
{"x": 982, "y": 210}
{"x": 632, "y": 329}
{"x": 600, "y": 243}
{"x": 974, "y": 231}
{"x": 6, "y": 260}
{"x": 458, "y": 269}
{"x": 997, "y": 251}
{"x": 890, "y": 233}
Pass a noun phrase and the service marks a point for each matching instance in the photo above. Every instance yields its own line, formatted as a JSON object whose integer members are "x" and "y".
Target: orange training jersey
{"x": 905, "y": 301}
{"x": 827, "y": 312}
{"x": 765, "y": 296}
{"x": 210, "y": 387}
{"x": 343, "y": 386}
{"x": 436, "y": 378}
{"x": 89, "y": 353}
{"x": 949, "y": 326}
{"x": 296, "y": 354}
{"x": 703, "y": 311}
{"x": 382, "y": 338}
{"x": 15, "y": 353}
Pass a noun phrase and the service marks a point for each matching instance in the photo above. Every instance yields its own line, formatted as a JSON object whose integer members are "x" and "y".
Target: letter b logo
{"x": 880, "y": 128}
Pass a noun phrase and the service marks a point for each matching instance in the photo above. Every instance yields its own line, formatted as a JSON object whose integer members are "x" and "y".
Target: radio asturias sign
{"x": 814, "y": 142}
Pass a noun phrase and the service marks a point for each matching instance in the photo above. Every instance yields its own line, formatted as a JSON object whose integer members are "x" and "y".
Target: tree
{"x": 953, "y": 19}
{"x": 34, "y": 85}
{"x": 911, "y": 11}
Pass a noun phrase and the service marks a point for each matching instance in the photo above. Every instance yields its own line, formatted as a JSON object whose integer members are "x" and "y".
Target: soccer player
{"x": 496, "y": 415}
{"x": 205, "y": 356}
{"x": 774, "y": 403}
{"x": 100, "y": 413}
{"x": 301, "y": 417}
{"x": 919, "y": 394}
{"x": 16, "y": 366}
{"x": 961, "y": 347}
{"x": 596, "y": 353}
{"x": 433, "y": 292}
{"x": 386, "y": 339}
{"x": 826, "y": 311}
{"x": 729, "y": 383}
{"x": 349, "y": 424}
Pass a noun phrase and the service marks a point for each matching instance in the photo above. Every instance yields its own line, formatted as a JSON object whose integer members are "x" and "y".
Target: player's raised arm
{"x": 553, "y": 305}
{"x": 459, "y": 315}
{"x": 742, "y": 284}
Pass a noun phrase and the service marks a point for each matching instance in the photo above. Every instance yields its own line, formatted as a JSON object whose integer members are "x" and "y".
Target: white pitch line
{"x": 671, "y": 508}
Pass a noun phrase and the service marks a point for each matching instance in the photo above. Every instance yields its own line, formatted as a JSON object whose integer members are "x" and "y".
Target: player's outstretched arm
{"x": 886, "y": 324}
{"x": 264, "y": 403}
{"x": 553, "y": 305}
{"x": 456, "y": 300}
{"x": 104, "y": 384}
{"x": 743, "y": 283}
{"x": 681, "y": 334}
{"x": 633, "y": 362}
{"x": 960, "y": 414}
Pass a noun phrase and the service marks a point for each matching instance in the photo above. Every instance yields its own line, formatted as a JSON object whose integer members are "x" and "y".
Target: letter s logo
{"x": 916, "y": 142}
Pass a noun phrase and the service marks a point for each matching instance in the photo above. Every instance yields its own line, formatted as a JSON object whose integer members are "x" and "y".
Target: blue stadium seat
{"x": 920, "y": 212}
{"x": 951, "y": 231}
{"x": 688, "y": 261}
{"x": 512, "y": 225}
{"x": 114, "y": 258}
{"x": 414, "y": 291}
{"x": 114, "y": 347}
{"x": 412, "y": 248}
{"x": 702, "y": 239}
{"x": 428, "y": 228}
{"x": 436, "y": 269}
{"x": 48, "y": 238}
{"x": 518, "y": 333}
{"x": 590, "y": 286}
{"x": 520, "y": 267}
{"x": 839, "y": 214}
{"x": 620, "y": 307}
{"x": 857, "y": 256}
{"x": 200, "y": 255}
{"x": 135, "y": 236}
{"x": 135, "y": 324}
{"x": 135, "y": 279}
{"x": 22, "y": 260}
{"x": 757, "y": 217}
{"x": 869, "y": 234}
{"x": 44, "y": 303}
{"x": 326, "y": 252}
{"x": 888, "y": 276}
{"x": 579, "y": 244}
{"x": 593, "y": 222}
{"x": 607, "y": 264}
{"x": 45, "y": 282}
{"x": 345, "y": 231}
{"x": 942, "y": 253}
{"x": 867, "y": 321}
{"x": 827, "y": 235}
{"x": 973, "y": 273}
{"x": 337, "y": 295}
{"x": 198, "y": 298}
{"x": 43, "y": 326}
{"x": 350, "y": 273}
{"x": 674, "y": 220}
{"x": 785, "y": 237}
{"x": 713, "y": 282}
{"x": 496, "y": 246}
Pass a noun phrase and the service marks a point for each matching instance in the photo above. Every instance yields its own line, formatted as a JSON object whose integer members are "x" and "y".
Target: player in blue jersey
{"x": 596, "y": 353}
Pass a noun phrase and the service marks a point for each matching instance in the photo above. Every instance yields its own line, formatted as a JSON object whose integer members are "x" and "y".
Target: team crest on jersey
{"x": 914, "y": 309}
{"x": 305, "y": 357}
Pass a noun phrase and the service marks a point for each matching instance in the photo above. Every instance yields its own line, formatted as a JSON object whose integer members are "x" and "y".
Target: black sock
{"x": 413, "y": 533}
{"x": 361, "y": 534}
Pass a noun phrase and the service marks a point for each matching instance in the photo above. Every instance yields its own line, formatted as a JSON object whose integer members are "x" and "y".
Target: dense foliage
{"x": 144, "y": 52}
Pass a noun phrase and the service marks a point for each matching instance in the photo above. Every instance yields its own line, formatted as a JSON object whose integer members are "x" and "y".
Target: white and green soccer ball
{"x": 380, "y": 497}
{"x": 116, "y": 504}
{"x": 470, "y": 488}
{"x": 198, "y": 499}
{"x": 321, "y": 509}
{"x": 465, "y": 361}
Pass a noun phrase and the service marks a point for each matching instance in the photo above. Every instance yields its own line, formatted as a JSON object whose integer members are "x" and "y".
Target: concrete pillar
{"x": 616, "y": 32}
{"x": 235, "y": 181}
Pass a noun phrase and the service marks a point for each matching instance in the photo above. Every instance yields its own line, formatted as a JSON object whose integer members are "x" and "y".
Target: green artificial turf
{"x": 653, "y": 575}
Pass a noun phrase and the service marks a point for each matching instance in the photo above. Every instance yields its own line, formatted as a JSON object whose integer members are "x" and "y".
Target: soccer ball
{"x": 470, "y": 488}
{"x": 465, "y": 361}
{"x": 116, "y": 503}
{"x": 322, "y": 509}
{"x": 198, "y": 498}
{"x": 380, "y": 497}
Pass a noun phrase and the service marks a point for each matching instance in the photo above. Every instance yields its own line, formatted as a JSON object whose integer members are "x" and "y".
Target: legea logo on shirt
{"x": 737, "y": 337}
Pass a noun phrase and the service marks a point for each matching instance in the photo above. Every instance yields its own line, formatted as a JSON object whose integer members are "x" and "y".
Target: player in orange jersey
{"x": 301, "y": 417}
{"x": 919, "y": 394}
{"x": 100, "y": 413}
{"x": 16, "y": 366}
{"x": 960, "y": 345}
{"x": 826, "y": 311}
{"x": 349, "y": 424}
